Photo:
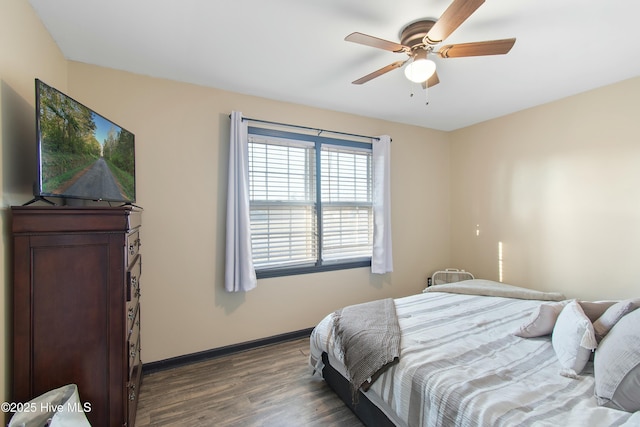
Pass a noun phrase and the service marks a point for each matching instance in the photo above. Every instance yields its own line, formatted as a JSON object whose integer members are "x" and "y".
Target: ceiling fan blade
{"x": 431, "y": 81}
{"x": 379, "y": 72}
{"x": 490, "y": 47}
{"x": 456, "y": 14}
{"x": 376, "y": 42}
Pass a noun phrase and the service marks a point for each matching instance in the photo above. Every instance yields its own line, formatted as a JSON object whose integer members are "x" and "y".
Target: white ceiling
{"x": 294, "y": 50}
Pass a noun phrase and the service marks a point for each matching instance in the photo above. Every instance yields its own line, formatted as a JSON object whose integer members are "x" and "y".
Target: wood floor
{"x": 268, "y": 386}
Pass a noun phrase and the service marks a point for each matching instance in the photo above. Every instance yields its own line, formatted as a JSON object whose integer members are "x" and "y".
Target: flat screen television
{"x": 81, "y": 154}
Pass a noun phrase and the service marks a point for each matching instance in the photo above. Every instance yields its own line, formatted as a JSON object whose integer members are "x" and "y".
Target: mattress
{"x": 461, "y": 365}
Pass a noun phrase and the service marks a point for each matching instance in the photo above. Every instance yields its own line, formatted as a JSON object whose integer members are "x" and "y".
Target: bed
{"x": 462, "y": 362}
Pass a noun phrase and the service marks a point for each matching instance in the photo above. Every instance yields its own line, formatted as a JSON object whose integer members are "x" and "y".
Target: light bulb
{"x": 420, "y": 69}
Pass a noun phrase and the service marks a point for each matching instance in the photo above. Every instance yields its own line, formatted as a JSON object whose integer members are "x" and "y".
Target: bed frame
{"x": 368, "y": 413}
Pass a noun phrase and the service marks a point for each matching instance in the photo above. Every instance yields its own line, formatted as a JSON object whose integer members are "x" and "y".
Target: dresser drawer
{"x": 134, "y": 346}
{"x": 133, "y": 388}
{"x": 133, "y": 279}
{"x": 133, "y": 319}
{"x": 133, "y": 245}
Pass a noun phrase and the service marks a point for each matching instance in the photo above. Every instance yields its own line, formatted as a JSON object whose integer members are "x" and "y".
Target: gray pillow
{"x": 611, "y": 316}
{"x": 617, "y": 365}
{"x": 595, "y": 309}
{"x": 541, "y": 321}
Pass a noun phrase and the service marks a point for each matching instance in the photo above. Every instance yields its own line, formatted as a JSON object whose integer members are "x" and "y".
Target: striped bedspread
{"x": 460, "y": 365}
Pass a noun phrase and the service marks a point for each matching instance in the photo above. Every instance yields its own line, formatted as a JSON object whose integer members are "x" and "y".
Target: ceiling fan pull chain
{"x": 411, "y": 87}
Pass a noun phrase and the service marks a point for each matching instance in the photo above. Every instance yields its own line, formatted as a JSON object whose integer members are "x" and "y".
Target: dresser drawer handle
{"x": 134, "y": 350}
{"x": 132, "y": 247}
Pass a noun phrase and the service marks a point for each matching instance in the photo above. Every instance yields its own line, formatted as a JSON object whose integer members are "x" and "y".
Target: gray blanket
{"x": 370, "y": 337}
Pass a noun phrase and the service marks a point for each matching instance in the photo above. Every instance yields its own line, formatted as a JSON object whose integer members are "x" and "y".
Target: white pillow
{"x": 541, "y": 321}
{"x": 617, "y": 365}
{"x": 573, "y": 339}
{"x": 610, "y": 317}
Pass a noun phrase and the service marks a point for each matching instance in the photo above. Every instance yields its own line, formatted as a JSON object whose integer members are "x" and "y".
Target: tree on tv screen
{"x": 66, "y": 126}
{"x": 118, "y": 149}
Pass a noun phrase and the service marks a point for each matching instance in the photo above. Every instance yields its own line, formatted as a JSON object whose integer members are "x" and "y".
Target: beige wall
{"x": 558, "y": 185}
{"x": 26, "y": 52}
{"x": 182, "y": 134}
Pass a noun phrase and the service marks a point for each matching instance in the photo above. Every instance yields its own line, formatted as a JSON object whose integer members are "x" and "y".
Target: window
{"x": 310, "y": 201}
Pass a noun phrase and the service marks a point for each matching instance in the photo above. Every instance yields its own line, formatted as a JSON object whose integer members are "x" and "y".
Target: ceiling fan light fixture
{"x": 420, "y": 69}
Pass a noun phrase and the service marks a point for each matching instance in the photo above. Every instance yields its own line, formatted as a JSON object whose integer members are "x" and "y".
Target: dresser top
{"x": 44, "y": 219}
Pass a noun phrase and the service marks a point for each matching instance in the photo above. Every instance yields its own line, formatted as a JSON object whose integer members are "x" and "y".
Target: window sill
{"x": 292, "y": 271}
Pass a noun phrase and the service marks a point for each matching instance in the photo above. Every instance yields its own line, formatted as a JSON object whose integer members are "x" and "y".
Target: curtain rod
{"x": 309, "y": 128}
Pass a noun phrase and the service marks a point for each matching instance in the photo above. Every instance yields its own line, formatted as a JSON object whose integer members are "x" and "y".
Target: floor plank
{"x": 263, "y": 387}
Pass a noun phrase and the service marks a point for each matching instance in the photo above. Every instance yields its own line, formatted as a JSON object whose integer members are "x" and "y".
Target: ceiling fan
{"x": 419, "y": 39}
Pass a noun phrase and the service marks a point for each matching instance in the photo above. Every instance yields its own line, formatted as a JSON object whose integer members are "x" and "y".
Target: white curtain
{"x": 382, "y": 258}
{"x": 240, "y": 274}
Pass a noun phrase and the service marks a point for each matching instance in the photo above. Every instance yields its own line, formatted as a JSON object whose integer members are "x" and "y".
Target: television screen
{"x": 81, "y": 154}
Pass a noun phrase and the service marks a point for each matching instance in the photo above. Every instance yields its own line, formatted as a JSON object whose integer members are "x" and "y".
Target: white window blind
{"x": 305, "y": 217}
{"x": 282, "y": 200}
{"x": 347, "y": 211}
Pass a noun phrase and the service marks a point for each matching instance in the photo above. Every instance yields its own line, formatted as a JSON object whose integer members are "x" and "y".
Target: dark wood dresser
{"x": 76, "y": 312}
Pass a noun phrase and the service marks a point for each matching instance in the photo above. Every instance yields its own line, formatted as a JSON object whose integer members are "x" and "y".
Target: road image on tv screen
{"x": 82, "y": 154}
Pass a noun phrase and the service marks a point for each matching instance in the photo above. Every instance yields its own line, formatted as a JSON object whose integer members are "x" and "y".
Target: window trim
{"x": 294, "y": 271}
{"x": 318, "y": 266}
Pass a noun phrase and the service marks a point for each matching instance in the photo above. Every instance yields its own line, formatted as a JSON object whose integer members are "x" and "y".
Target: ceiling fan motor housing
{"x": 413, "y": 34}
